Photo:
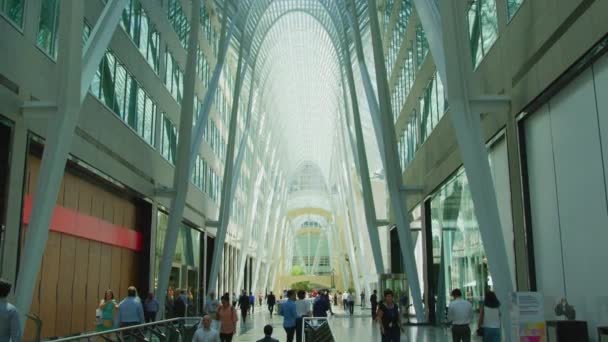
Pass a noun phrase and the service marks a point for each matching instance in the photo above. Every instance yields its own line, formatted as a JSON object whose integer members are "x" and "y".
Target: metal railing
{"x": 316, "y": 329}
{"x": 175, "y": 329}
{"x": 38, "y": 323}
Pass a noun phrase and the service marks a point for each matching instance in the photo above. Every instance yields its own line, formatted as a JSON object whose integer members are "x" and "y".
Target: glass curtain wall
{"x": 458, "y": 251}
{"x": 185, "y": 271}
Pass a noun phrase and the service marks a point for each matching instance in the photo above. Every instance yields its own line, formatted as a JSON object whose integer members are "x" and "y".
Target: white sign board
{"x": 528, "y": 317}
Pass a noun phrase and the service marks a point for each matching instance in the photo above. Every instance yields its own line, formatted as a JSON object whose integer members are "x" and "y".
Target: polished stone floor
{"x": 344, "y": 327}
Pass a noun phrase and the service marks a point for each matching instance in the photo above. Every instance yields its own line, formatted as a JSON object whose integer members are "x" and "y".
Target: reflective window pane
{"x": 46, "y": 38}
{"x": 13, "y": 9}
{"x": 513, "y": 6}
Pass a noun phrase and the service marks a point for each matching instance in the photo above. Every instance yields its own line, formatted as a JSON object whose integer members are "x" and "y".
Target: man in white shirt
{"x": 460, "y": 314}
{"x": 351, "y": 302}
{"x": 345, "y": 300}
{"x": 211, "y": 305}
{"x": 303, "y": 309}
{"x": 205, "y": 333}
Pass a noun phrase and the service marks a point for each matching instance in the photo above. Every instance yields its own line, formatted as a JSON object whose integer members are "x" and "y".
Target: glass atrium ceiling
{"x": 294, "y": 50}
{"x": 294, "y": 55}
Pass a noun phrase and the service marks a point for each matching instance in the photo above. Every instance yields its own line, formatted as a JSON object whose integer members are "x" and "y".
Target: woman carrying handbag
{"x": 489, "y": 319}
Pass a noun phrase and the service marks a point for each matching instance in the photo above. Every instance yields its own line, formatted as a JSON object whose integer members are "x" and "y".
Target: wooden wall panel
{"x": 29, "y": 333}
{"x": 129, "y": 215}
{"x": 119, "y": 211}
{"x": 105, "y": 270}
{"x": 133, "y": 269}
{"x": 85, "y": 197}
{"x": 48, "y": 284}
{"x": 76, "y": 272}
{"x": 94, "y": 291}
{"x": 125, "y": 270}
{"x": 71, "y": 189}
{"x": 67, "y": 262}
{"x": 97, "y": 206}
{"x": 33, "y": 165}
{"x": 108, "y": 205}
{"x": 79, "y": 289}
{"x": 115, "y": 273}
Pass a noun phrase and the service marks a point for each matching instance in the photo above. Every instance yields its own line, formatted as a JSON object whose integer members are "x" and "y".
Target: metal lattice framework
{"x": 317, "y": 94}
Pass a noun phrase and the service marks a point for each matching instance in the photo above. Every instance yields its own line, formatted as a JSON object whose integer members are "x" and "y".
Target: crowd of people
{"x": 219, "y": 322}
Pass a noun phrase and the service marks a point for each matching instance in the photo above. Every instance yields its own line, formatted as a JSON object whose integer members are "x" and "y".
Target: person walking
{"x": 351, "y": 302}
{"x": 10, "y": 325}
{"x": 205, "y": 333}
{"x": 226, "y": 314}
{"x": 251, "y": 302}
{"x": 150, "y": 308}
{"x": 108, "y": 308}
{"x": 130, "y": 310}
{"x": 345, "y": 301}
{"x": 170, "y": 303}
{"x": 180, "y": 306}
{"x": 303, "y": 309}
{"x": 460, "y": 313}
{"x": 489, "y": 318}
{"x": 268, "y": 334}
{"x": 404, "y": 303}
{"x": 373, "y": 299}
{"x": 320, "y": 306}
{"x": 362, "y": 299}
{"x": 244, "y": 305}
{"x": 210, "y": 308}
{"x": 389, "y": 319}
{"x": 271, "y": 300}
{"x": 290, "y": 314}
{"x": 260, "y": 299}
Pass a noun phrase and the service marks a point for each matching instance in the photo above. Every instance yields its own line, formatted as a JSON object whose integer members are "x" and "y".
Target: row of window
{"x": 114, "y": 86}
{"x": 174, "y": 77}
{"x": 405, "y": 12}
{"x": 483, "y": 28}
{"x": 143, "y": 32}
{"x": 46, "y": 38}
{"x": 202, "y": 67}
{"x": 168, "y": 139}
{"x": 414, "y": 58}
{"x": 205, "y": 178}
{"x": 179, "y": 21}
{"x": 431, "y": 107}
{"x": 205, "y": 20}
{"x": 482, "y": 22}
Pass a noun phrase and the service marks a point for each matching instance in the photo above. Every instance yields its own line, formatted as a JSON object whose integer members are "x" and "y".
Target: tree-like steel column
{"x": 361, "y": 156}
{"x": 465, "y": 114}
{"x": 227, "y": 191}
{"x": 76, "y": 72}
{"x": 348, "y": 216}
{"x": 260, "y": 252}
{"x": 182, "y": 174}
{"x": 246, "y": 239}
{"x": 273, "y": 251}
{"x": 392, "y": 167}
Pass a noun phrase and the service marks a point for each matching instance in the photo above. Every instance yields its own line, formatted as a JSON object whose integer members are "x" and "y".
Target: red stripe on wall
{"x": 71, "y": 222}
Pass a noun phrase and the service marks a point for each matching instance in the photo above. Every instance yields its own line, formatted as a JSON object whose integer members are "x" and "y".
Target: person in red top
{"x": 226, "y": 314}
